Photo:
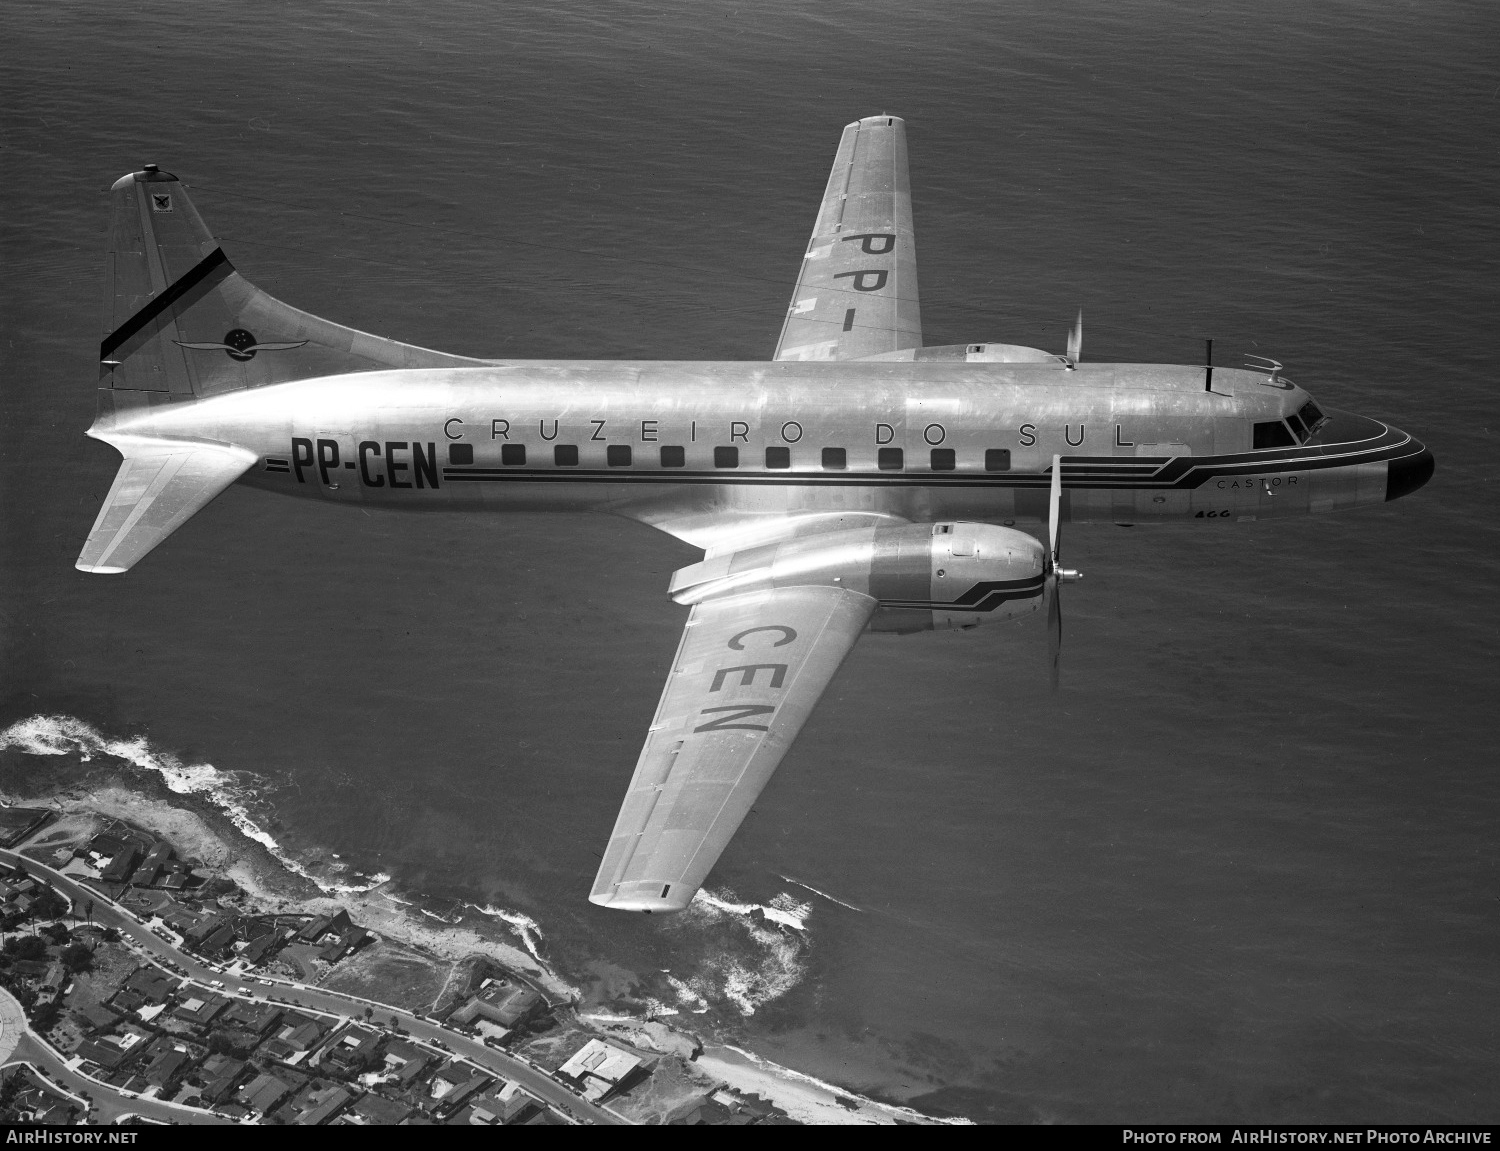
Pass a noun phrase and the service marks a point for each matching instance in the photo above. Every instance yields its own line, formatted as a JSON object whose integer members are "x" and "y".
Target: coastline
{"x": 207, "y": 816}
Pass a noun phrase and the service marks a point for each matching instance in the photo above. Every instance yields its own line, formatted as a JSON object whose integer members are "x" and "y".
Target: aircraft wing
{"x": 857, "y": 293}
{"x": 746, "y": 676}
{"x": 160, "y": 485}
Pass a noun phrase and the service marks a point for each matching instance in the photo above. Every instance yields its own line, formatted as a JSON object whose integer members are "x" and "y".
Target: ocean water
{"x": 1243, "y": 865}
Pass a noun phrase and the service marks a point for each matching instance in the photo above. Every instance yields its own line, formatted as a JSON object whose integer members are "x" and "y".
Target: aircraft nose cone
{"x": 1409, "y": 473}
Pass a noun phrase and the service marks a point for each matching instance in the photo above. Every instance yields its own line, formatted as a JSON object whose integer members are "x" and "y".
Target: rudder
{"x": 181, "y": 323}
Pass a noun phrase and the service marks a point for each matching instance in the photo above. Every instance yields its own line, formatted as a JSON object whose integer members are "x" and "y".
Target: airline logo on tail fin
{"x": 241, "y": 345}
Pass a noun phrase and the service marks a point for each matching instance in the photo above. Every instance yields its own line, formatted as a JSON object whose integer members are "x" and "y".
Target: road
{"x": 111, "y": 914}
{"x": 18, "y": 1043}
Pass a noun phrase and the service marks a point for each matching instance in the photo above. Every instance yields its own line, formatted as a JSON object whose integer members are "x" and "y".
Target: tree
{"x": 49, "y": 905}
{"x": 223, "y": 1043}
{"x": 26, "y": 946}
{"x": 46, "y": 1016}
{"x": 76, "y": 957}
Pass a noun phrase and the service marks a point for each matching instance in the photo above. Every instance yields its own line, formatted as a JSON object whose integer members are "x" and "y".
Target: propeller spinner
{"x": 1055, "y": 574}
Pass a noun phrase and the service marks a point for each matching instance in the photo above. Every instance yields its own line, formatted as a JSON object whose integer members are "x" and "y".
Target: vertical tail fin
{"x": 180, "y": 322}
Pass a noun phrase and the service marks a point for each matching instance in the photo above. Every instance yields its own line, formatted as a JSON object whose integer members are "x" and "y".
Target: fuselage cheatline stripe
{"x": 1192, "y": 472}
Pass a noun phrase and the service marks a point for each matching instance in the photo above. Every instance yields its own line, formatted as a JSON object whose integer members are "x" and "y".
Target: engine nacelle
{"x": 924, "y": 577}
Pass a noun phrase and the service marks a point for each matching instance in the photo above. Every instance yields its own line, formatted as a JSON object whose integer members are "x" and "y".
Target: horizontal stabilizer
{"x": 160, "y": 485}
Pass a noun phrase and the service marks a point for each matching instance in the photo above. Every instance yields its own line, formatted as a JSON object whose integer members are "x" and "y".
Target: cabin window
{"x": 512, "y": 453}
{"x": 617, "y": 455}
{"x": 1273, "y": 434}
{"x": 460, "y": 453}
{"x": 891, "y": 459}
{"x": 997, "y": 460}
{"x": 726, "y": 457}
{"x": 778, "y": 457}
{"x": 944, "y": 459}
{"x": 835, "y": 459}
{"x": 674, "y": 457}
{"x": 1312, "y": 416}
{"x": 565, "y": 455}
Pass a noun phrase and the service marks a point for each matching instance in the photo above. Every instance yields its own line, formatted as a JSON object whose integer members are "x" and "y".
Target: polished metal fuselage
{"x": 908, "y": 441}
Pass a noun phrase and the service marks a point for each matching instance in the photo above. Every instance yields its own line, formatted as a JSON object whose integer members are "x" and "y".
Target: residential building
{"x": 351, "y": 1050}
{"x": 200, "y": 1010}
{"x": 600, "y": 1068}
{"x": 375, "y": 1111}
{"x": 263, "y": 1093}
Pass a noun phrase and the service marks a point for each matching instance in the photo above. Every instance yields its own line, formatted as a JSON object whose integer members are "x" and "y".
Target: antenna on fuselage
{"x": 1075, "y": 344}
{"x": 1208, "y": 365}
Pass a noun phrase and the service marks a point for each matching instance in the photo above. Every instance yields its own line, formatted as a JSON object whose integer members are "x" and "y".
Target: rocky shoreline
{"x": 84, "y": 786}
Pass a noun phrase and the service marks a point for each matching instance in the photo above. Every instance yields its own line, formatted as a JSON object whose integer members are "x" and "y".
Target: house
{"x": 257, "y": 1018}
{"x": 445, "y": 1082}
{"x": 160, "y": 852}
{"x": 600, "y": 1068}
{"x": 99, "y": 1051}
{"x": 122, "y": 866}
{"x": 217, "y": 940}
{"x": 375, "y": 1111}
{"x": 508, "y": 1105}
{"x": 181, "y": 920}
{"x": 465, "y": 1091}
{"x": 352, "y": 1050}
{"x": 342, "y": 944}
{"x": 263, "y": 1093}
{"x": 152, "y": 984}
{"x": 261, "y": 946}
{"x": 166, "y": 1066}
{"x": 333, "y": 1101}
{"x": 204, "y": 928}
{"x": 200, "y": 1011}
{"x": 299, "y": 1032}
{"x": 412, "y": 1069}
{"x": 502, "y": 1001}
{"x": 106, "y": 846}
{"x": 144, "y": 876}
{"x": 338, "y": 921}
{"x": 220, "y": 1074}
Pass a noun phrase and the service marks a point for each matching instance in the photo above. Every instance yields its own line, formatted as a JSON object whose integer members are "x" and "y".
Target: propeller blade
{"x": 1054, "y": 506}
{"x": 1075, "y": 339}
{"x": 1054, "y": 626}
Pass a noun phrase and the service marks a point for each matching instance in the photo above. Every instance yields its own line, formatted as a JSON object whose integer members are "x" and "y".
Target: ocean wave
{"x": 824, "y": 894}
{"x": 523, "y": 925}
{"x": 61, "y": 734}
{"x": 746, "y": 978}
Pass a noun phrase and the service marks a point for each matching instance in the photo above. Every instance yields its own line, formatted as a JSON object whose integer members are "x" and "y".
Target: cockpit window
{"x": 1298, "y": 427}
{"x": 1312, "y": 416}
{"x": 1273, "y": 434}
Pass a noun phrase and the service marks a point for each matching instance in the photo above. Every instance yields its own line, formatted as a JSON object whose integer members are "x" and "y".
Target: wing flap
{"x": 856, "y": 294}
{"x": 747, "y": 674}
{"x": 159, "y": 487}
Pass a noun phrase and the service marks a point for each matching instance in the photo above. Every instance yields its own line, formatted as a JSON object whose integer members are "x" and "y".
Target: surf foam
{"x": 61, "y": 734}
{"x": 745, "y": 978}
